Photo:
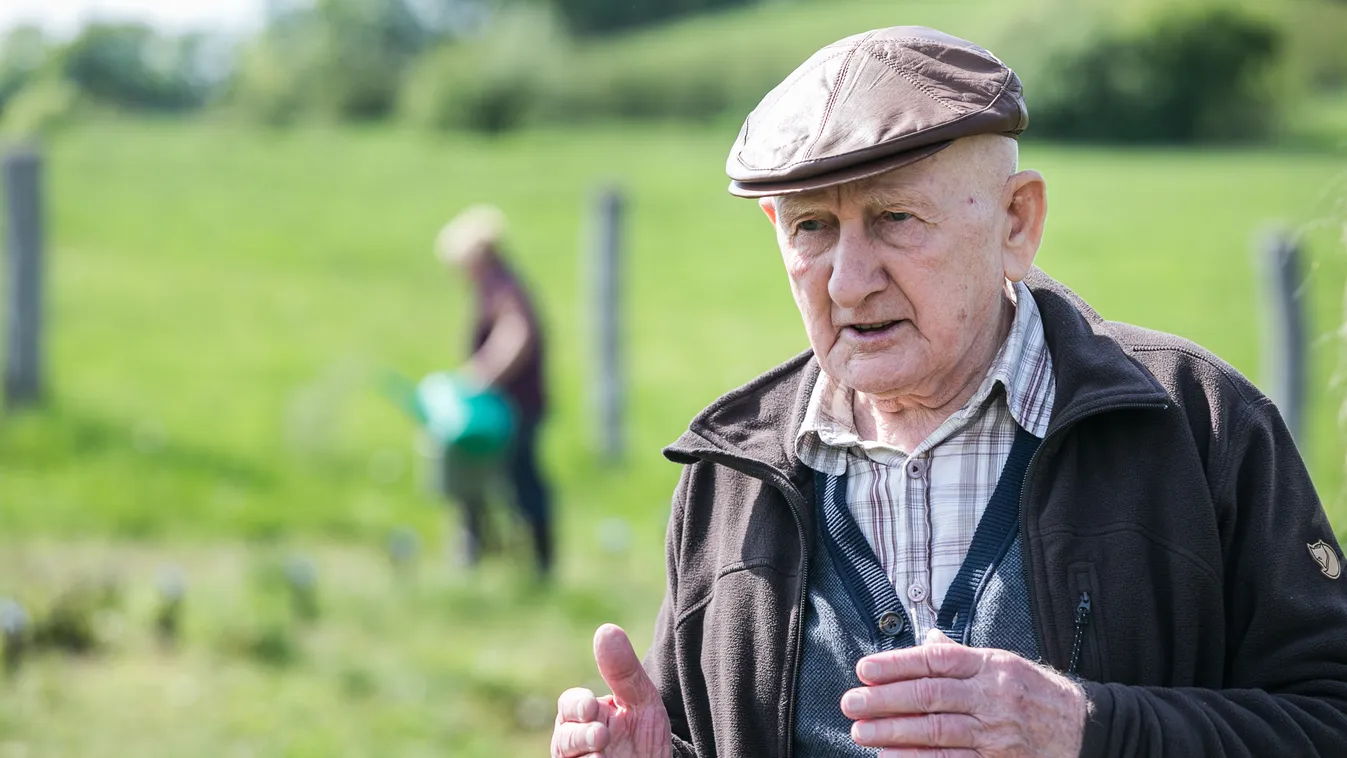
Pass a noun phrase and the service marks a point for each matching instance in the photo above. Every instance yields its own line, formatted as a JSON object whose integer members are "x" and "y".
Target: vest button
{"x": 891, "y": 624}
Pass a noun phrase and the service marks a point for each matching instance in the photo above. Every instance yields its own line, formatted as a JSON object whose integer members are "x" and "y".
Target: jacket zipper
{"x": 797, "y": 502}
{"x": 796, "y": 648}
{"x": 1024, "y": 495}
{"x": 1082, "y": 621}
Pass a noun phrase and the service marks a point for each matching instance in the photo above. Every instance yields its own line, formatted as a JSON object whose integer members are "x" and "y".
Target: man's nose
{"x": 856, "y": 271}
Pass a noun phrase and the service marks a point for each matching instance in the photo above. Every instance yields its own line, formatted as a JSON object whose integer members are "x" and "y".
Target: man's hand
{"x": 630, "y": 723}
{"x": 944, "y": 699}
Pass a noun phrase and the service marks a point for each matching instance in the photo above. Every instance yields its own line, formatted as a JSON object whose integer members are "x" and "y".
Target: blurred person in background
{"x": 507, "y": 356}
{"x": 975, "y": 519}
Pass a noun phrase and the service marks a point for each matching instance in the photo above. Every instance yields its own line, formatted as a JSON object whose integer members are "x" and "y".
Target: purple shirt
{"x": 524, "y": 386}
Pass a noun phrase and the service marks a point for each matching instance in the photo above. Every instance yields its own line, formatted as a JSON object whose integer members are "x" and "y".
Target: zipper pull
{"x": 1082, "y": 620}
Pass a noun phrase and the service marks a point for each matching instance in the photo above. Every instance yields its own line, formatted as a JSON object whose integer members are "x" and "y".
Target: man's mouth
{"x": 877, "y": 326}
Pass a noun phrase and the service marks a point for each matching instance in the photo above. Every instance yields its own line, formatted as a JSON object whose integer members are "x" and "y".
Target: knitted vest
{"x": 854, "y": 611}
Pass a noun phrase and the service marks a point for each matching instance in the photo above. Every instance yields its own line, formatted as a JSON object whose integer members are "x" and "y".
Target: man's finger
{"x": 578, "y": 705}
{"x": 911, "y": 697}
{"x": 937, "y": 637}
{"x": 941, "y": 730}
{"x": 621, "y": 669}
{"x": 574, "y": 740}
{"x": 952, "y": 661}
{"x": 919, "y": 752}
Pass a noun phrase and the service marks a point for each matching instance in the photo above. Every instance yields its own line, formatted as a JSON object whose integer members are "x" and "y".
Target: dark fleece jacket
{"x": 1167, "y": 487}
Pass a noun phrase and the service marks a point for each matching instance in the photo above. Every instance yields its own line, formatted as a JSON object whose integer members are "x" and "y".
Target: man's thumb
{"x": 621, "y": 669}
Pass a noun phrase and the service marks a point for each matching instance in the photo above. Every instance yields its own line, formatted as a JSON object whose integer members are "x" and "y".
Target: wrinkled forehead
{"x": 977, "y": 166}
{"x": 908, "y": 186}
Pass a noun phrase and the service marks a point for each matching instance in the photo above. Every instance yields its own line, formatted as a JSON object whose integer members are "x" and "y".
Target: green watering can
{"x": 471, "y": 421}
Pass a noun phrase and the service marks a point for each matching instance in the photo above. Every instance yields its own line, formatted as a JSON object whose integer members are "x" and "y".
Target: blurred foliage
{"x": 23, "y": 50}
{"x": 42, "y": 106}
{"x": 133, "y": 66}
{"x": 1141, "y": 70}
{"x": 605, "y": 16}
{"x": 494, "y": 82}
{"x": 1188, "y": 76}
{"x": 1316, "y": 32}
{"x": 342, "y": 59}
{"x": 124, "y": 66}
{"x": 1193, "y": 71}
{"x": 70, "y": 623}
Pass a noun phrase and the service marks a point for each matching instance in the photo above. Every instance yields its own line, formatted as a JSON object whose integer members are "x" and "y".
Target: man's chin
{"x": 877, "y": 381}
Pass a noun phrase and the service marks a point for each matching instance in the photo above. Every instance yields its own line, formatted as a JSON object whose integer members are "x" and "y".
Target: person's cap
{"x": 469, "y": 234}
{"x": 869, "y": 104}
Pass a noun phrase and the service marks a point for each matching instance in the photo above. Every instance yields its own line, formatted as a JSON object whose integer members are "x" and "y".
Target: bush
{"x": 68, "y": 626}
{"x": 601, "y": 16}
{"x": 271, "y": 84}
{"x": 647, "y": 76}
{"x": 1188, "y": 77}
{"x": 491, "y": 84}
{"x": 337, "y": 59}
{"x": 131, "y": 66}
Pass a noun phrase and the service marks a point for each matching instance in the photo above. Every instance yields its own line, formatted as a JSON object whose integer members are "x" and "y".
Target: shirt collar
{"x": 1022, "y": 366}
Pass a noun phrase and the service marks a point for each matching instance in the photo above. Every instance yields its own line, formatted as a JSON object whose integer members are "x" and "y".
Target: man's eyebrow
{"x": 884, "y": 196}
{"x": 793, "y": 206}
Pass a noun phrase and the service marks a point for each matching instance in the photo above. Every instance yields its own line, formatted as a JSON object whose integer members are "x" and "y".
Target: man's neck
{"x": 904, "y": 422}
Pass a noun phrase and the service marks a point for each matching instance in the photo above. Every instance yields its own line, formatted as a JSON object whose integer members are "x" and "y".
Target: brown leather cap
{"x": 871, "y": 103}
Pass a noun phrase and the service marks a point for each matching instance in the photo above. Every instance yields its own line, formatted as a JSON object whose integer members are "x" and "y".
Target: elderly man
{"x": 976, "y": 519}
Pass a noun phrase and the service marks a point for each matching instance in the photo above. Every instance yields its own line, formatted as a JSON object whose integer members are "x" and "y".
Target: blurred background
{"x": 216, "y": 533}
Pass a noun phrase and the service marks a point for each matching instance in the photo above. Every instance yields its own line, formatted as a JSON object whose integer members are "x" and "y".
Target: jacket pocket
{"x": 1089, "y": 651}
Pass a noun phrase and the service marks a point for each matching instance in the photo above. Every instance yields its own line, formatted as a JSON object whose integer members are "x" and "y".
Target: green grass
{"x": 222, "y": 301}
{"x": 430, "y": 664}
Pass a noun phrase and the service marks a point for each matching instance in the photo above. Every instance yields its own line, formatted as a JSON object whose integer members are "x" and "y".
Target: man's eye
{"x": 810, "y": 225}
{"x": 897, "y": 216}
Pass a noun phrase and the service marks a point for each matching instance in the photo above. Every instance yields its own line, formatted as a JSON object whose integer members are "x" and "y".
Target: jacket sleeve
{"x": 1286, "y": 623}
{"x": 661, "y": 661}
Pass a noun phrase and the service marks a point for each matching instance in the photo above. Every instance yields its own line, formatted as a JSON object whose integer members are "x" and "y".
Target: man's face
{"x": 899, "y": 277}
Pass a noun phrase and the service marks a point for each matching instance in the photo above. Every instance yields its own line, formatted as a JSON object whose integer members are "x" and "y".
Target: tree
{"x": 131, "y": 66}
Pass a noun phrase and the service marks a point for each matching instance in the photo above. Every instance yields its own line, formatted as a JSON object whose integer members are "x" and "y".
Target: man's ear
{"x": 768, "y": 206}
{"x": 1027, "y": 212}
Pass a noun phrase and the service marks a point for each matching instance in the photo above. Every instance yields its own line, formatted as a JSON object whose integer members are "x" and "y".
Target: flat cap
{"x": 871, "y": 103}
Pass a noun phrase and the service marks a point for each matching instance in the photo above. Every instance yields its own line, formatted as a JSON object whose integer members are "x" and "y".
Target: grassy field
{"x": 222, "y": 303}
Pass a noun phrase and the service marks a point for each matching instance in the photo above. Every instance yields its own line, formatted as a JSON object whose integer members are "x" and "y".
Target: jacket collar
{"x": 1093, "y": 364}
{"x": 756, "y": 424}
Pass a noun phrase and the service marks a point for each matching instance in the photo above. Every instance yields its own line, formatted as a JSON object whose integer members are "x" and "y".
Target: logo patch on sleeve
{"x": 1327, "y": 558}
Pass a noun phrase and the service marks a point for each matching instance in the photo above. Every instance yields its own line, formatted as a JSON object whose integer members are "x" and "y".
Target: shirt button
{"x": 891, "y": 624}
{"x": 916, "y": 593}
{"x": 916, "y": 468}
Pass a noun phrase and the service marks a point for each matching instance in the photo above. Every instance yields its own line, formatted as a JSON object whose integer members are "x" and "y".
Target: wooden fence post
{"x": 606, "y": 270}
{"x": 22, "y": 170}
{"x": 1286, "y": 348}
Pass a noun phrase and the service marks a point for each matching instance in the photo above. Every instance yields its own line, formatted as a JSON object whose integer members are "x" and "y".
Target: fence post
{"x": 606, "y": 268}
{"x": 1285, "y": 350}
{"x": 22, "y": 169}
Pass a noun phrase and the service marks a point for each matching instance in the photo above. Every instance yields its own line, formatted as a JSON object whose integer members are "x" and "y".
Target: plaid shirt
{"x": 918, "y": 510}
